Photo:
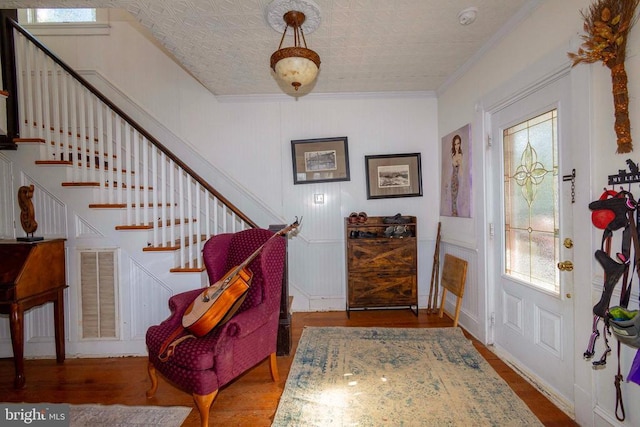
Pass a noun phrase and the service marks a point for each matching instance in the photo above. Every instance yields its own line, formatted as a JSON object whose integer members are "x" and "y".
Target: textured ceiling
{"x": 364, "y": 45}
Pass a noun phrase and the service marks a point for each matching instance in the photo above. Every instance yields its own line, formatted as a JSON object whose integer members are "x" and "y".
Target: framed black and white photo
{"x": 393, "y": 175}
{"x": 320, "y": 160}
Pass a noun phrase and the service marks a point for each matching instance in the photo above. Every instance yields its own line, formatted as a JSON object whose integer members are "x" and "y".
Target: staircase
{"x": 107, "y": 186}
{"x": 103, "y": 149}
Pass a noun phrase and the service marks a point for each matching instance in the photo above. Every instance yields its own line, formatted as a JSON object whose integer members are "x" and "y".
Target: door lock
{"x": 568, "y": 243}
{"x": 565, "y": 266}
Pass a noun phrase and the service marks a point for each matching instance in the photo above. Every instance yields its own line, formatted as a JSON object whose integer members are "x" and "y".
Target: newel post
{"x": 284, "y": 323}
{"x": 9, "y": 83}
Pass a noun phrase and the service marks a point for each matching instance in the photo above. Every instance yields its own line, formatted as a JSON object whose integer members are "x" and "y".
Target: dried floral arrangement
{"x": 607, "y": 24}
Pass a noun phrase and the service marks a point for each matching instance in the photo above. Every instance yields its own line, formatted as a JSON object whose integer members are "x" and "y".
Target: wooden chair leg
{"x": 273, "y": 366}
{"x": 153, "y": 376}
{"x": 442, "y": 301}
{"x": 203, "y": 402}
{"x": 457, "y": 313}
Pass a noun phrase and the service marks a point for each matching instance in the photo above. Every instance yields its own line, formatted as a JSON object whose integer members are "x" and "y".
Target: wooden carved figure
{"x": 27, "y": 213}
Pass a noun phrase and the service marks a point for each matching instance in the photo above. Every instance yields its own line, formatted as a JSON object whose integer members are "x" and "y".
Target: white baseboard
{"x": 561, "y": 402}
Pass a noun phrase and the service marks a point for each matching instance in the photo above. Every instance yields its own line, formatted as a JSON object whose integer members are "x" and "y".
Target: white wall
{"x": 555, "y": 26}
{"x": 248, "y": 140}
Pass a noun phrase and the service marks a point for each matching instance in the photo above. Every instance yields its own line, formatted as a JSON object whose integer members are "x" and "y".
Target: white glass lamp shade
{"x": 295, "y": 66}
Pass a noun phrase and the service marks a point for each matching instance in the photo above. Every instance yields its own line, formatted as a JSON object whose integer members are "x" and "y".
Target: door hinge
{"x": 492, "y": 318}
{"x": 492, "y": 231}
{"x": 489, "y": 141}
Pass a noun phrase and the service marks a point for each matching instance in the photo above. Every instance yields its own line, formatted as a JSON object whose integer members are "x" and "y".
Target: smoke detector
{"x": 468, "y": 16}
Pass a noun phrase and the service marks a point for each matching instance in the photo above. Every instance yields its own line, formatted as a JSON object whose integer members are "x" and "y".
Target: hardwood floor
{"x": 251, "y": 400}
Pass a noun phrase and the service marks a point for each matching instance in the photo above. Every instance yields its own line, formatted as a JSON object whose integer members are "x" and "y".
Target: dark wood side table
{"x": 32, "y": 274}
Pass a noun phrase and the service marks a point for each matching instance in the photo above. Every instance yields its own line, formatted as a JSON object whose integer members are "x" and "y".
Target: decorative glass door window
{"x": 531, "y": 207}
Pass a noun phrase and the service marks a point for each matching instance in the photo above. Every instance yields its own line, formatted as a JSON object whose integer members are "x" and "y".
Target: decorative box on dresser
{"x": 381, "y": 264}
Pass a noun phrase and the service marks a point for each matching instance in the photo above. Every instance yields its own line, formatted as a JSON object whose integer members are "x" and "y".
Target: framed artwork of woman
{"x": 455, "y": 194}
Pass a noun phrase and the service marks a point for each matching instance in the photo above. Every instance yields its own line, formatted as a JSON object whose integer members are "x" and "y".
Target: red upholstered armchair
{"x": 201, "y": 366}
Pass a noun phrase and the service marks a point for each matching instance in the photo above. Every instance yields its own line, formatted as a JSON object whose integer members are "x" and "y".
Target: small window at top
{"x": 42, "y": 16}
{"x": 65, "y": 21}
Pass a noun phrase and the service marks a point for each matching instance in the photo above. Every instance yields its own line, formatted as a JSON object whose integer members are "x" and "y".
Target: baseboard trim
{"x": 561, "y": 402}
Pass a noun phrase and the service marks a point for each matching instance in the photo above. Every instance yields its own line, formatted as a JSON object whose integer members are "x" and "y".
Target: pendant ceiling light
{"x": 295, "y": 66}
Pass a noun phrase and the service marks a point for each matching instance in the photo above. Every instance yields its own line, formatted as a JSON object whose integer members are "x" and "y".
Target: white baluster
{"x": 216, "y": 216}
{"x": 100, "y": 149}
{"x": 64, "y": 127}
{"x": 28, "y": 73}
{"x": 145, "y": 171}
{"x": 81, "y": 135}
{"x": 164, "y": 210}
{"x": 21, "y": 83}
{"x": 197, "y": 247}
{"x": 73, "y": 126}
{"x": 136, "y": 171}
{"x": 129, "y": 174}
{"x": 37, "y": 95}
{"x": 120, "y": 162}
{"x": 187, "y": 244}
{"x": 207, "y": 214}
{"x": 46, "y": 108}
{"x": 155, "y": 196}
{"x": 94, "y": 153}
{"x": 55, "y": 111}
{"x": 110, "y": 159}
{"x": 173, "y": 170}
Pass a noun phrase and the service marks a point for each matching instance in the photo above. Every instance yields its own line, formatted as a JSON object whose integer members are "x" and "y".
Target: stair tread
{"x": 95, "y": 184}
{"x": 81, "y": 165}
{"x": 126, "y": 186}
{"x": 167, "y": 223}
{"x": 188, "y": 269}
{"x": 87, "y": 150}
{"x": 80, "y": 184}
{"x": 61, "y": 131}
{"x": 174, "y": 246}
{"x": 25, "y": 140}
{"x": 54, "y": 162}
{"x": 124, "y": 205}
{"x": 134, "y": 227}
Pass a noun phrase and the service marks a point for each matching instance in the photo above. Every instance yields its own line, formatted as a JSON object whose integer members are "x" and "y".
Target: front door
{"x": 531, "y": 225}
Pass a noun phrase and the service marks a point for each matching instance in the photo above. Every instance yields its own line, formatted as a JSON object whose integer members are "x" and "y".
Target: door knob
{"x": 565, "y": 266}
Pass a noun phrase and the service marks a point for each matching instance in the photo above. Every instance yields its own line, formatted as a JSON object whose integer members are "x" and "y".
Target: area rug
{"x": 127, "y": 416}
{"x": 395, "y": 377}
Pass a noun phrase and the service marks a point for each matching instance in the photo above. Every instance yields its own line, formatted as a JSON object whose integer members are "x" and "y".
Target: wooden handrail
{"x": 132, "y": 122}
